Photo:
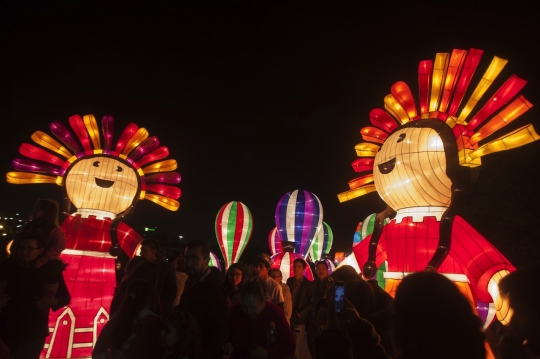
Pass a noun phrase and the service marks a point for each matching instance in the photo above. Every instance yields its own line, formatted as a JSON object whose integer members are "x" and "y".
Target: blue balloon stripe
{"x": 282, "y": 225}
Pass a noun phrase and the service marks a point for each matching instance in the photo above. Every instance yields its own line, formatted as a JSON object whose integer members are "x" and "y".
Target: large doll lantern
{"x": 299, "y": 217}
{"x": 104, "y": 182}
{"x": 422, "y": 160}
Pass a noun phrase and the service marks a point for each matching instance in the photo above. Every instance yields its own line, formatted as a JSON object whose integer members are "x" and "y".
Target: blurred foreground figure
{"x": 521, "y": 338}
{"x": 435, "y": 320}
{"x": 258, "y": 329}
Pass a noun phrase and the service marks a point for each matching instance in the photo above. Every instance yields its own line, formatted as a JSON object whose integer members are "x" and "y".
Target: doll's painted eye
{"x": 119, "y": 169}
{"x": 95, "y": 164}
{"x": 401, "y": 137}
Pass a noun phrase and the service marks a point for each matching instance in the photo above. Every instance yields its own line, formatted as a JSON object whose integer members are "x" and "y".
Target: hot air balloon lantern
{"x": 274, "y": 242}
{"x": 234, "y": 225}
{"x": 363, "y": 231}
{"x": 422, "y": 159}
{"x": 322, "y": 243}
{"x": 104, "y": 181}
{"x": 284, "y": 261}
{"x": 299, "y": 217}
{"x": 214, "y": 261}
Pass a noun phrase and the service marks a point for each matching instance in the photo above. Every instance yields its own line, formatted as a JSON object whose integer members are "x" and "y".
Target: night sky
{"x": 258, "y": 98}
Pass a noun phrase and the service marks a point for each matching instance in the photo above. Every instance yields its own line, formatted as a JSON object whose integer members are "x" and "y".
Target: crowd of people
{"x": 190, "y": 310}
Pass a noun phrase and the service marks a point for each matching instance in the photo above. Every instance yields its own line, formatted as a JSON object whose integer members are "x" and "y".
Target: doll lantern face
{"x": 410, "y": 170}
{"x": 102, "y": 183}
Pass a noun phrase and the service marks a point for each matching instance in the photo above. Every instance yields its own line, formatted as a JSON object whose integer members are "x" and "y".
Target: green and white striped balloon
{"x": 322, "y": 243}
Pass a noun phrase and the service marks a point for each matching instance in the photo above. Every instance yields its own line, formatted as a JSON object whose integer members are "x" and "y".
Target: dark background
{"x": 258, "y": 98}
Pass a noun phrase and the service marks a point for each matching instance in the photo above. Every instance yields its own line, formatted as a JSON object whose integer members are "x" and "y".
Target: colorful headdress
{"x": 442, "y": 86}
{"x": 51, "y": 160}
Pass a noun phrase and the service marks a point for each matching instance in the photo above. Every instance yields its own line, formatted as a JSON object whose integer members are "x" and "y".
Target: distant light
{"x": 180, "y": 237}
{"x": 16, "y": 214}
{"x": 1, "y": 226}
{"x": 4, "y": 234}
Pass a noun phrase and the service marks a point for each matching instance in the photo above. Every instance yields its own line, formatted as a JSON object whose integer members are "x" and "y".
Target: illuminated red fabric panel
{"x": 128, "y": 238}
{"x": 402, "y": 93}
{"x": 91, "y": 282}
{"x": 87, "y": 234}
{"x": 507, "y": 92}
{"x": 39, "y": 154}
{"x": 424, "y": 82}
{"x": 409, "y": 246}
{"x": 77, "y": 125}
{"x": 471, "y": 62}
{"x": 363, "y": 164}
{"x": 382, "y": 120}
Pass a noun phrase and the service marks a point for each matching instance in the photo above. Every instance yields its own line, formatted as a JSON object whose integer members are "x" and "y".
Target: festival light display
{"x": 104, "y": 181}
{"x": 284, "y": 261}
{"x": 274, "y": 242}
{"x": 421, "y": 161}
{"x": 322, "y": 243}
{"x": 233, "y": 230}
{"x": 298, "y": 219}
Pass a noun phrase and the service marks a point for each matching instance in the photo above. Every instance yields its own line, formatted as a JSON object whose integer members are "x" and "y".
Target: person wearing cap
{"x": 273, "y": 292}
{"x": 276, "y": 275}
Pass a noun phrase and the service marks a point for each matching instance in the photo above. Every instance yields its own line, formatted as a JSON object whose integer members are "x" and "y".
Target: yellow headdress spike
{"x": 439, "y": 73}
{"x": 494, "y": 69}
{"x": 517, "y": 138}
{"x": 355, "y": 193}
{"x": 44, "y": 140}
{"x": 29, "y": 178}
{"x": 93, "y": 130}
{"x": 168, "y": 203}
{"x": 366, "y": 149}
{"x": 135, "y": 140}
{"x": 163, "y": 166}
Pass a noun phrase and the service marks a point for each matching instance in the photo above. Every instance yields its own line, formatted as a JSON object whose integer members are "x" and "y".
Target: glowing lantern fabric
{"x": 274, "y": 242}
{"x": 298, "y": 219}
{"x": 322, "y": 243}
{"x": 214, "y": 261}
{"x": 233, "y": 230}
{"x": 104, "y": 182}
{"x": 285, "y": 263}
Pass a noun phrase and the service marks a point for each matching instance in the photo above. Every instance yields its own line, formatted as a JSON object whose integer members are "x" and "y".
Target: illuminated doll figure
{"x": 422, "y": 162}
{"x": 104, "y": 183}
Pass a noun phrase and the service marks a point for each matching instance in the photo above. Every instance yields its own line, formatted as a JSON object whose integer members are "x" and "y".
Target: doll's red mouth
{"x": 387, "y": 167}
{"x": 103, "y": 183}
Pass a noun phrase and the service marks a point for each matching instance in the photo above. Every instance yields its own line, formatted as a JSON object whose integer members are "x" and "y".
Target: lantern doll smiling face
{"x": 102, "y": 183}
{"x": 410, "y": 169}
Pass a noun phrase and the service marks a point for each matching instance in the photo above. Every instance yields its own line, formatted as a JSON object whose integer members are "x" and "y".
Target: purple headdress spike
{"x": 169, "y": 177}
{"x": 24, "y": 164}
{"x": 107, "y": 125}
{"x": 156, "y": 155}
{"x": 65, "y": 136}
{"x": 151, "y": 143}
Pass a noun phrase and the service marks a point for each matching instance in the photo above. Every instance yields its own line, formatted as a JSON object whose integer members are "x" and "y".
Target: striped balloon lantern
{"x": 322, "y": 243}
{"x": 214, "y": 261}
{"x": 274, "y": 242}
{"x": 234, "y": 225}
{"x": 284, "y": 261}
{"x": 329, "y": 264}
{"x": 364, "y": 230}
{"x": 299, "y": 217}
